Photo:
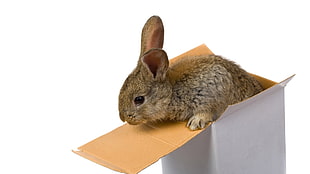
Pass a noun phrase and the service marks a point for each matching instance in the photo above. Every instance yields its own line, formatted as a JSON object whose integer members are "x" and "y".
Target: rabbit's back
{"x": 210, "y": 82}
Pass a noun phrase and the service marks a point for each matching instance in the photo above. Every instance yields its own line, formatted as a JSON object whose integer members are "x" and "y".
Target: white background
{"x": 63, "y": 62}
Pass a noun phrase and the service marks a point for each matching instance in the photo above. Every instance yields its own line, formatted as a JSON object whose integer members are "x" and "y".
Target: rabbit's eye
{"x": 139, "y": 100}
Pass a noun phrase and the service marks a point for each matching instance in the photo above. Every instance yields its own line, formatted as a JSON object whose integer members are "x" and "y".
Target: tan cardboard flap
{"x": 130, "y": 149}
{"x": 200, "y": 50}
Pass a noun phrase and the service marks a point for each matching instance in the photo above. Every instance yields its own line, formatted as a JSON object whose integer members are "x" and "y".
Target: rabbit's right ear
{"x": 157, "y": 63}
{"x": 152, "y": 34}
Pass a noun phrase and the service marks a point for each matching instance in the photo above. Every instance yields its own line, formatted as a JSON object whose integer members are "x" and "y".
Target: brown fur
{"x": 196, "y": 88}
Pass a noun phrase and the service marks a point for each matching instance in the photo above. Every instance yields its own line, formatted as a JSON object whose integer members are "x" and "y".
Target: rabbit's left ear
{"x": 152, "y": 34}
{"x": 156, "y": 61}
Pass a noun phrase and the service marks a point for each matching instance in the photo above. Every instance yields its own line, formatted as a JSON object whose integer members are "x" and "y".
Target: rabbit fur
{"x": 194, "y": 88}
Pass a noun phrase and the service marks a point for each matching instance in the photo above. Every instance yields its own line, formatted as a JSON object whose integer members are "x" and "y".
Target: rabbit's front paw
{"x": 199, "y": 121}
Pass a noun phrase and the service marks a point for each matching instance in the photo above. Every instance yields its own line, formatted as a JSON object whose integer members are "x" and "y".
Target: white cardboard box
{"x": 249, "y": 138}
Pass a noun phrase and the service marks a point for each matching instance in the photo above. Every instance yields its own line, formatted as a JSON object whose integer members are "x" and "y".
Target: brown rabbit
{"x": 197, "y": 89}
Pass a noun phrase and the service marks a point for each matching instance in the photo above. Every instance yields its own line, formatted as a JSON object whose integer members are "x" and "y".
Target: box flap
{"x": 200, "y": 50}
{"x": 130, "y": 149}
{"x": 284, "y": 82}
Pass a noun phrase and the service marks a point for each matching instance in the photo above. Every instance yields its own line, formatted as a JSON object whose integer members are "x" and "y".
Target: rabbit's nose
{"x": 131, "y": 116}
{"x": 127, "y": 115}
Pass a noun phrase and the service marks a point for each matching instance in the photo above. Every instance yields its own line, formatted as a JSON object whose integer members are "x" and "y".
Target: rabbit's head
{"x": 146, "y": 92}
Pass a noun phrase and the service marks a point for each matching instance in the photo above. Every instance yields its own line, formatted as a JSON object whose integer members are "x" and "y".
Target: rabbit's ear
{"x": 156, "y": 61}
{"x": 152, "y": 34}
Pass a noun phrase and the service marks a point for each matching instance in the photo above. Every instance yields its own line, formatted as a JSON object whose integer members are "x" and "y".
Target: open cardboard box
{"x": 248, "y": 138}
